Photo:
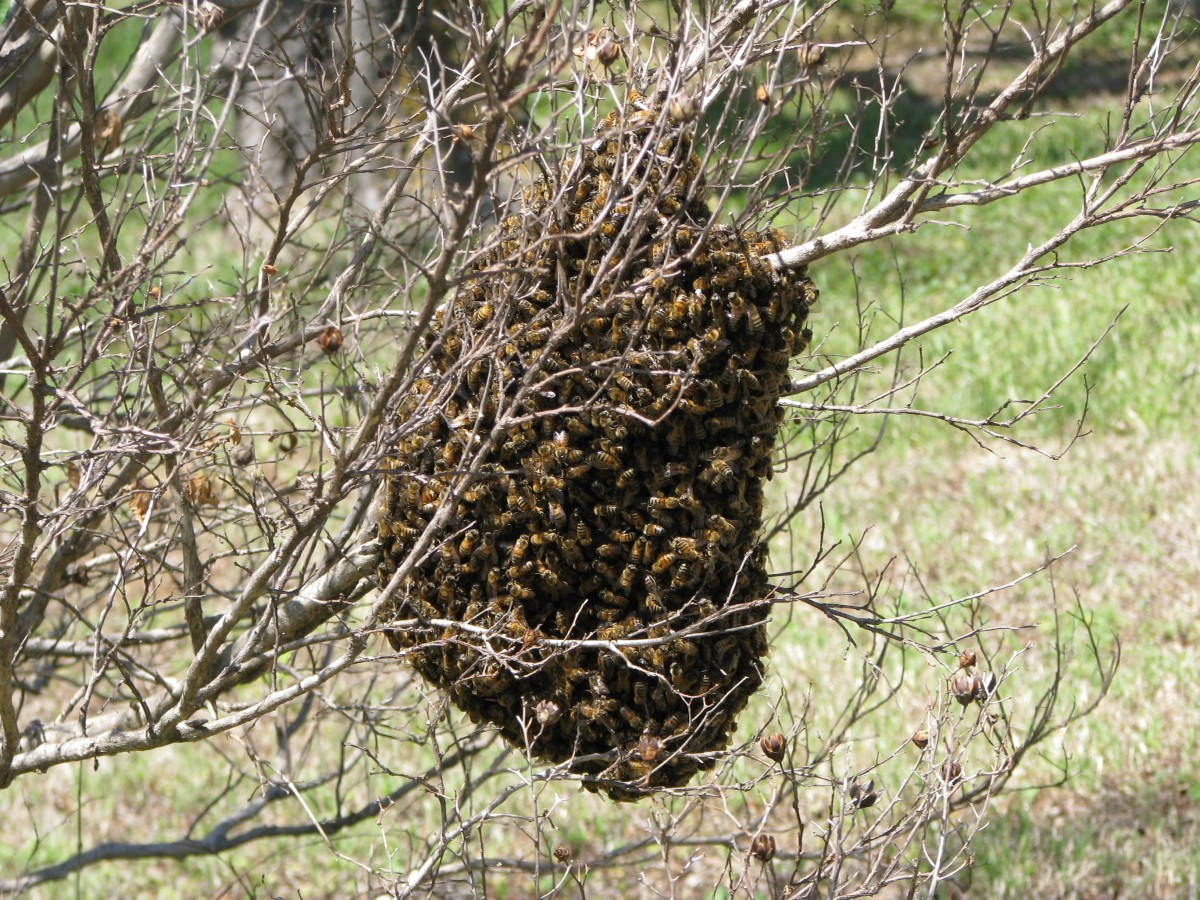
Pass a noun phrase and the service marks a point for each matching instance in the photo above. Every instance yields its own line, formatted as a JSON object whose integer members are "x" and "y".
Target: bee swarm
{"x": 600, "y": 409}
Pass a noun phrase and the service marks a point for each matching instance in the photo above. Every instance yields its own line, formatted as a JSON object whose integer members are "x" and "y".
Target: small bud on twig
{"x": 209, "y": 16}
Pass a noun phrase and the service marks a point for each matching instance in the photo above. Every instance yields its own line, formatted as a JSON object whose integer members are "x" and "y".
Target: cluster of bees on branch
{"x": 598, "y": 405}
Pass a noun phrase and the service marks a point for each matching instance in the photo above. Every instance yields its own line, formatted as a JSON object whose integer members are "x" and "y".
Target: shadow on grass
{"x": 1128, "y": 839}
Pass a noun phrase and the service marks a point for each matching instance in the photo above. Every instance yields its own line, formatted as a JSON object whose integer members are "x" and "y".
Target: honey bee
{"x": 482, "y": 315}
{"x": 469, "y": 541}
{"x": 721, "y": 423}
{"x": 640, "y": 693}
{"x": 605, "y": 510}
{"x": 657, "y": 319}
{"x": 622, "y": 536}
{"x": 754, "y": 322}
{"x": 576, "y": 473}
{"x": 637, "y": 552}
{"x": 627, "y": 576}
{"x": 626, "y": 478}
{"x": 663, "y": 563}
{"x": 653, "y": 529}
{"x": 583, "y": 534}
{"x": 520, "y": 591}
{"x": 609, "y": 551}
{"x": 662, "y": 503}
{"x": 401, "y": 530}
{"x": 412, "y": 492}
{"x": 687, "y": 548}
{"x": 774, "y": 357}
{"x": 695, "y": 407}
{"x": 602, "y": 459}
{"x": 517, "y": 572}
{"x": 676, "y": 436}
{"x": 632, "y": 719}
{"x": 477, "y": 374}
{"x": 719, "y": 473}
{"x": 683, "y": 575}
{"x": 585, "y": 216}
{"x": 558, "y": 514}
{"x": 520, "y": 548}
{"x": 534, "y": 338}
{"x": 571, "y": 552}
{"x": 578, "y": 427}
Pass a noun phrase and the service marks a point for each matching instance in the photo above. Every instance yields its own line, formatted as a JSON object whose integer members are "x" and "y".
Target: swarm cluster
{"x": 598, "y": 406}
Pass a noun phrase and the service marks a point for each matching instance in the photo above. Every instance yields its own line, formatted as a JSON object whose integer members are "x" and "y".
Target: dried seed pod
{"x": 951, "y": 772}
{"x": 966, "y": 659}
{"x": 763, "y": 94}
{"x": 608, "y": 53}
{"x": 921, "y": 738}
{"x": 682, "y": 109}
{"x": 563, "y": 854}
{"x": 649, "y": 749}
{"x": 862, "y": 796}
{"x": 548, "y": 712}
{"x": 762, "y": 847}
{"x": 199, "y": 491}
{"x": 331, "y": 340}
{"x": 983, "y": 686}
{"x": 774, "y": 746}
{"x": 810, "y": 55}
{"x": 962, "y": 687}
